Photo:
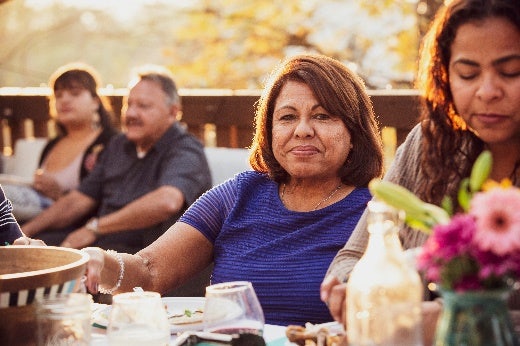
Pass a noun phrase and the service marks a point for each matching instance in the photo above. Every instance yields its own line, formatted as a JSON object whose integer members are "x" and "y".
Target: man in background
{"x": 144, "y": 181}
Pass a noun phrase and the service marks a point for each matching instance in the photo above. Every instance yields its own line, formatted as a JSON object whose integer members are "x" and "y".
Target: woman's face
{"x": 308, "y": 142}
{"x": 484, "y": 74}
{"x": 75, "y": 106}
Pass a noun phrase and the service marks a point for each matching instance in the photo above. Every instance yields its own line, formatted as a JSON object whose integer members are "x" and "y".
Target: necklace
{"x": 321, "y": 202}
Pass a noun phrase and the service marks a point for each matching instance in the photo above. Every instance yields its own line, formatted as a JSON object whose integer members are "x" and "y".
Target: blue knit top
{"x": 284, "y": 253}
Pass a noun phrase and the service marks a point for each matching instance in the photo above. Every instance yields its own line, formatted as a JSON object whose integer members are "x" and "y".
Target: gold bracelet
{"x": 119, "y": 259}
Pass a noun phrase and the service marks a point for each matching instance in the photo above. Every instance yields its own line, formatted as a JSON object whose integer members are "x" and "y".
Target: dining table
{"x": 273, "y": 335}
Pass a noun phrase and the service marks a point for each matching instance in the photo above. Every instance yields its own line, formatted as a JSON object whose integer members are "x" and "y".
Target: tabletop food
{"x": 316, "y": 335}
{"x": 187, "y": 317}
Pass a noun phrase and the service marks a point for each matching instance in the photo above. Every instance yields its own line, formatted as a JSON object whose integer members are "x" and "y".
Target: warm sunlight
{"x": 129, "y": 8}
{"x": 207, "y": 44}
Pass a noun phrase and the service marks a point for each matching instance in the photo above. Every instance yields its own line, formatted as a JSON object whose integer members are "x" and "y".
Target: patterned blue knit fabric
{"x": 285, "y": 254}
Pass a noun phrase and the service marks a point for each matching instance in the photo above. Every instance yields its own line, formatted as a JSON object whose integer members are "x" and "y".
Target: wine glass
{"x": 138, "y": 318}
{"x": 233, "y": 308}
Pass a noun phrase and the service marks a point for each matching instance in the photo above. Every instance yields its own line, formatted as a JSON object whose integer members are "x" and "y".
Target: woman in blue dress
{"x": 315, "y": 149}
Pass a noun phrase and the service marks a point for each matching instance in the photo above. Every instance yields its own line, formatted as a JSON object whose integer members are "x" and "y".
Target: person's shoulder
{"x": 362, "y": 191}
{"x": 102, "y": 140}
{"x": 358, "y": 197}
{"x": 119, "y": 138}
{"x": 252, "y": 182}
{"x": 253, "y": 177}
{"x": 411, "y": 148}
{"x": 415, "y": 135}
{"x": 181, "y": 136}
{"x": 107, "y": 133}
{"x": 117, "y": 142}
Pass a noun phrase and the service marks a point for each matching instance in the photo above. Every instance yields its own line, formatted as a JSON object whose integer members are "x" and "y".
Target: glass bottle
{"x": 384, "y": 292}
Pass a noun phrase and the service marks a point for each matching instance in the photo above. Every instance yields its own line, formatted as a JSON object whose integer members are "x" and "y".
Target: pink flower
{"x": 455, "y": 237}
{"x": 427, "y": 260}
{"x": 479, "y": 248}
{"x": 491, "y": 265}
{"x": 91, "y": 159}
{"x": 497, "y": 212}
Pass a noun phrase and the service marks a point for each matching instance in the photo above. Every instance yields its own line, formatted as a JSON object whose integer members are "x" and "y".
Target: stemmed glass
{"x": 233, "y": 308}
{"x": 138, "y": 318}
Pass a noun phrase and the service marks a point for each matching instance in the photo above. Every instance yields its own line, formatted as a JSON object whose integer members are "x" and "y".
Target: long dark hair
{"x": 86, "y": 77}
{"x": 449, "y": 149}
{"x": 341, "y": 92}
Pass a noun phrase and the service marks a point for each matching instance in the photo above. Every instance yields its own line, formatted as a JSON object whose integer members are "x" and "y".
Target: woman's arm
{"x": 181, "y": 252}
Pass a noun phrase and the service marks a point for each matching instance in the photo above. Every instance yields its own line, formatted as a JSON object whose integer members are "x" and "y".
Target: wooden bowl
{"x": 28, "y": 272}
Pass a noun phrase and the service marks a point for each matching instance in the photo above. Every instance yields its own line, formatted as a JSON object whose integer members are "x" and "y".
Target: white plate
{"x": 174, "y": 306}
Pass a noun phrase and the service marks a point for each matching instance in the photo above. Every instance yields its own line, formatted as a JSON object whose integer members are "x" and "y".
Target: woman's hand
{"x": 334, "y": 294}
{"x": 94, "y": 267}
{"x": 79, "y": 238}
{"x": 47, "y": 185}
{"x": 29, "y": 241}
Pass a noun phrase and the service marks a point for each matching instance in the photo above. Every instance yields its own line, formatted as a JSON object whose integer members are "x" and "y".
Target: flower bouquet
{"x": 473, "y": 255}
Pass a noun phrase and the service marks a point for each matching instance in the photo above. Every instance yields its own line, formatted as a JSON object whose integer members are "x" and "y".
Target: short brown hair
{"x": 341, "y": 92}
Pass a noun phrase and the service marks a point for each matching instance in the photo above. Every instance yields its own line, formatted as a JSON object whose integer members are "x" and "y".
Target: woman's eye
{"x": 286, "y": 117}
{"x": 465, "y": 72}
{"x": 510, "y": 68}
{"x": 512, "y": 74}
{"x": 467, "y": 76}
{"x": 322, "y": 116}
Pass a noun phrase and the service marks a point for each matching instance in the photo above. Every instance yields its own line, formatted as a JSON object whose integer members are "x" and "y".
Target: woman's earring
{"x": 96, "y": 119}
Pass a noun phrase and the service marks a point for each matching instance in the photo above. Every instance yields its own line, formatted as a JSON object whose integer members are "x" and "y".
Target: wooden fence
{"x": 222, "y": 118}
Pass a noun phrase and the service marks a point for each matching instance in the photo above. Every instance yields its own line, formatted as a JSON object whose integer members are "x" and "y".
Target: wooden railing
{"x": 221, "y": 118}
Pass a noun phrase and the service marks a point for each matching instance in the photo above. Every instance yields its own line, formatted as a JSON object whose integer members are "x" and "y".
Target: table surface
{"x": 273, "y": 335}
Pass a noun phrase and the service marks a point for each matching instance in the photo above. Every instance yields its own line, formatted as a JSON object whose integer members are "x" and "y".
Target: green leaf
{"x": 419, "y": 225}
{"x": 464, "y": 195}
{"x": 447, "y": 205}
{"x": 480, "y": 171}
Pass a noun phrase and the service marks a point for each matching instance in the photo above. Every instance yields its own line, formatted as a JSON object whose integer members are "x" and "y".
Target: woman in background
{"x": 84, "y": 126}
{"x": 470, "y": 80}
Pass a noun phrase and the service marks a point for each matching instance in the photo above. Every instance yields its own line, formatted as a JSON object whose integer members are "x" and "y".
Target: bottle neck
{"x": 384, "y": 238}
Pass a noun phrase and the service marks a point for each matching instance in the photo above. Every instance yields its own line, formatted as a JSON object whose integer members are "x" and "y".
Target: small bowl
{"x": 28, "y": 272}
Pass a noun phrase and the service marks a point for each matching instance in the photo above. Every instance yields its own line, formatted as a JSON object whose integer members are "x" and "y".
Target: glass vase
{"x": 384, "y": 292}
{"x": 476, "y": 318}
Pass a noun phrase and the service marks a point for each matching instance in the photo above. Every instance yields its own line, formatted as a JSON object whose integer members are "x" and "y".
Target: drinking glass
{"x": 138, "y": 318}
{"x": 63, "y": 319}
{"x": 233, "y": 308}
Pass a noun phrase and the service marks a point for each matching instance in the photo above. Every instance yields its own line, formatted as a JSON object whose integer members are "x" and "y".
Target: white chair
{"x": 25, "y": 159}
{"x": 224, "y": 163}
{"x": 18, "y": 176}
